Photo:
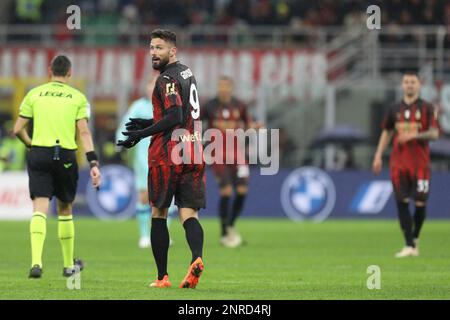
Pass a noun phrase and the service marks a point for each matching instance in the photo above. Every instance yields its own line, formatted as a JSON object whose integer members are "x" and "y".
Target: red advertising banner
{"x": 297, "y": 74}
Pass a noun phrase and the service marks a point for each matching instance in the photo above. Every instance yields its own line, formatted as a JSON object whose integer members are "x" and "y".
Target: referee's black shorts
{"x": 48, "y": 177}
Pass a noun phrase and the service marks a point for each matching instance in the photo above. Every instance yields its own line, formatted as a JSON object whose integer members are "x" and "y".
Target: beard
{"x": 160, "y": 63}
{"x": 410, "y": 94}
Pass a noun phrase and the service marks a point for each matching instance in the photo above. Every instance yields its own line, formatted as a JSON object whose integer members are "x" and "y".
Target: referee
{"x": 58, "y": 112}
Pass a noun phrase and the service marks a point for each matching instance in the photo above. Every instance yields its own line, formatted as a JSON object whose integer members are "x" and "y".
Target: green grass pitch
{"x": 281, "y": 260}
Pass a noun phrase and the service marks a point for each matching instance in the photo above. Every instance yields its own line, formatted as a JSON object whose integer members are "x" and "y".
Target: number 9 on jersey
{"x": 194, "y": 101}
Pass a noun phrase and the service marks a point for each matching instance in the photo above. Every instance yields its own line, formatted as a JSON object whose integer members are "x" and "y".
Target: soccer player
{"x": 141, "y": 110}
{"x": 412, "y": 123}
{"x": 227, "y": 112}
{"x": 58, "y": 112}
{"x": 175, "y": 106}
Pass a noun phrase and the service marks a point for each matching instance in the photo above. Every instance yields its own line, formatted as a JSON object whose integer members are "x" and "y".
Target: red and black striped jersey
{"x": 176, "y": 87}
{"x": 232, "y": 115}
{"x": 419, "y": 116}
{"x": 226, "y": 116}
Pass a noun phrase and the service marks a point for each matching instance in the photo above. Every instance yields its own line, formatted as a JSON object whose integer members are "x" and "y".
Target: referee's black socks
{"x": 160, "y": 239}
{"x": 194, "y": 237}
{"x": 406, "y": 222}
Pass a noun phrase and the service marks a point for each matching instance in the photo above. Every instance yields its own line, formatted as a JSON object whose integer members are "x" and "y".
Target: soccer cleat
{"x": 78, "y": 267}
{"x": 225, "y": 241}
{"x": 416, "y": 245}
{"x": 407, "y": 252}
{"x": 144, "y": 243}
{"x": 164, "y": 283}
{"x": 235, "y": 239}
{"x": 35, "y": 272}
{"x": 194, "y": 273}
{"x": 79, "y": 263}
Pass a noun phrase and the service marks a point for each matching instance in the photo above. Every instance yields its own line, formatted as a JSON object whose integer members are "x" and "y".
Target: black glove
{"x": 133, "y": 138}
{"x": 173, "y": 117}
{"x": 127, "y": 143}
{"x": 138, "y": 124}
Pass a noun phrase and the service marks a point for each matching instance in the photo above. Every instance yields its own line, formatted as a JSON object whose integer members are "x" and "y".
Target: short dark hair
{"x": 164, "y": 34}
{"x": 226, "y": 78}
{"x": 411, "y": 73}
{"x": 60, "y": 66}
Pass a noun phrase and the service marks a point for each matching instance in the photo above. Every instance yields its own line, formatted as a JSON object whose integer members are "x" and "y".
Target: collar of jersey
{"x": 58, "y": 82}
{"x": 170, "y": 66}
{"x": 412, "y": 103}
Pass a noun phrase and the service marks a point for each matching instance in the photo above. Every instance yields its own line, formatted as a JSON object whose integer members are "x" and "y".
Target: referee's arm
{"x": 85, "y": 135}
{"x": 88, "y": 145}
{"x": 20, "y": 131}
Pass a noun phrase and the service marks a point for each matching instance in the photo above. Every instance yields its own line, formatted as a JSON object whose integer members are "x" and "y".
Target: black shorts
{"x": 48, "y": 177}
{"x": 411, "y": 185}
{"x": 231, "y": 174}
{"x": 184, "y": 182}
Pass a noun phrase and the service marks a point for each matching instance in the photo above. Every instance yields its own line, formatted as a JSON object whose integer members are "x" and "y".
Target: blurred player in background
{"x": 412, "y": 123}
{"x": 175, "y": 106}
{"x": 141, "y": 111}
{"x": 227, "y": 112}
{"x": 12, "y": 151}
{"x": 58, "y": 112}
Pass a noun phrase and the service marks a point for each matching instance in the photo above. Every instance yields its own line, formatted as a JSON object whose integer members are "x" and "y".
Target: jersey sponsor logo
{"x": 191, "y": 137}
{"x": 117, "y": 196}
{"x": 186, "y": 74}
{"x": 408, "y": 126}
{"x": 372, "y": 197}
{"x": 58, "y": 94}
{"x": 308, "y": 193}
{"x": 67, "y": 165}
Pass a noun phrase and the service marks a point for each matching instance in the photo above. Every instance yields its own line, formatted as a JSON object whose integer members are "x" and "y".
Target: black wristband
{"x": 93, "y": 164}
{"x": 91, "y": 156}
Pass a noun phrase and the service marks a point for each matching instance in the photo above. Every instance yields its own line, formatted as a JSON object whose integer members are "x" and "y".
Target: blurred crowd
{"x": 126, "y": 13}
{"x": 110, "y": 22}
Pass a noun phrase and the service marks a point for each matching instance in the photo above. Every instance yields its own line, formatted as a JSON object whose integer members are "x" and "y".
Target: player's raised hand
{"x": 377, "y": 165}
{"x": 138, "y": 124}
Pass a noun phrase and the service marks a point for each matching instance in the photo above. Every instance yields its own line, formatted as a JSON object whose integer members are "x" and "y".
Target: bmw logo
{"x": 117, "y": 197}
{"x": 308, "y": 193}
